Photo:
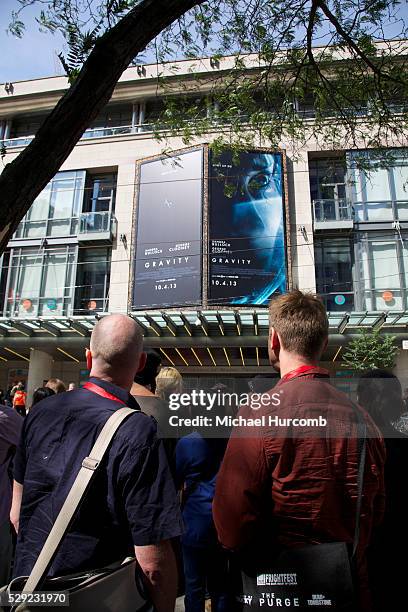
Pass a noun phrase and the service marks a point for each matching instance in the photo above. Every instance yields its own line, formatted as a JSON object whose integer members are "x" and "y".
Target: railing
{"x": 89, "y": 223}
{"x": 47, "y": 228}
{"x": 122, "y": 130}
{"x": 103, "y": 132}
{"x": 96, "y": 222}
{"x": 332, "y": 210}
{"x": 108, "y": 131}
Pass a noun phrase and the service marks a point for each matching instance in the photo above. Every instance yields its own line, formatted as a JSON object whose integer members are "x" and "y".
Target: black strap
{"x": 362, "y": 439}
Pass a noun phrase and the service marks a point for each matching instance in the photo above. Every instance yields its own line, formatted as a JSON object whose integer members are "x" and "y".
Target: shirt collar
{"x": 121, "y": 394}
{"x": 306, "y": 370}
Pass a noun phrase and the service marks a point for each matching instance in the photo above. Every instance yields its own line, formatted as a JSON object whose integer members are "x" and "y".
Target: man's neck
{"x": 123, "y": 384}
{"x": 289, "y": 362}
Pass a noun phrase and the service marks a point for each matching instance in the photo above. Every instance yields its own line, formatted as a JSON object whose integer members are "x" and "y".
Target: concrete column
{"x": 301, "y": 222}
{"x": 142, "y": 115}
{"x": 7, "y": 129}
{"x": 135, "y": 116}
{"x": 40, "y": 368}
{"x": 119, "y": 278}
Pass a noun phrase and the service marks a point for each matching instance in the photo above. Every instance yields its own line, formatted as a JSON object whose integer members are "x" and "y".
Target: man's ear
{"x": 88, "y": 357}
{"x": 275, "y": 341}
{"x": 142, "y": 362}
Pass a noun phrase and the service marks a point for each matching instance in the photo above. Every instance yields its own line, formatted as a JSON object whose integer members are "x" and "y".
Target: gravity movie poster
{"x": 167, "y": 270}
{"x": 247, "y": 263}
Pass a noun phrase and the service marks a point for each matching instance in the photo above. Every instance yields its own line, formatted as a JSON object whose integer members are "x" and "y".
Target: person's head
{"x": 168, "y": 381}
{"x": 20, "y": 386}
{"x": 298, "y": 328}
{"x": 41, "y": 393}
{"x": 71, "y": 386}
{"x": 147, "y": 376}
{"x": 56, "y": 385}
{"x": 380, "y": 393}
{"x": 116, "y": 350}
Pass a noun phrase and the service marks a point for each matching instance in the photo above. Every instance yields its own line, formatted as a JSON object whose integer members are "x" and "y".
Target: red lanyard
{"x": 99, "y": 391}
{"x": 305, "y": 369}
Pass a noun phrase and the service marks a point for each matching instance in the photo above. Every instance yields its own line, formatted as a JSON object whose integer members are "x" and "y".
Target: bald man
{"x": 131, "y": 506}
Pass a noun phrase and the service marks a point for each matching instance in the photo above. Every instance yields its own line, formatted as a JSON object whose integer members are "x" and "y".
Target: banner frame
{"x": 286, "y": 229}
{"x": 134, "y": 225}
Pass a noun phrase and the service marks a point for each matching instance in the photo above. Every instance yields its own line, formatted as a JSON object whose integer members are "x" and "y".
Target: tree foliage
{"x": 299, "y": 70}
{"x": 324, "y": 60}
{"x": 370, "y": 350}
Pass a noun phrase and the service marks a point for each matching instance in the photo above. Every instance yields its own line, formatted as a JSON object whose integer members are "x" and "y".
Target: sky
{"x": 35, "y": 55}
{"x": 30, "y": 57}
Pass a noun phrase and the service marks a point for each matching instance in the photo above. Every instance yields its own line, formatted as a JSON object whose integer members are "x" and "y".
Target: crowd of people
{"x": 198, "y": 509}
{"x": 16, "y": 395}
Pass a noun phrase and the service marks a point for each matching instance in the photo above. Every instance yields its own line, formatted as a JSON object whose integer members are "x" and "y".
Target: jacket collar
{"x": 118, "y": 392}
{"x": 306, "y": 370}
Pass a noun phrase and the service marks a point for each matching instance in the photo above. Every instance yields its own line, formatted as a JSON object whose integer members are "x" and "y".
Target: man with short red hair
{"x": 279, "y": 487}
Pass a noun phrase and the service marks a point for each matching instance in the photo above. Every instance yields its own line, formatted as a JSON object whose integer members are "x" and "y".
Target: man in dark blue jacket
{"x": 10, "y": 429}
{"x": 131, "y": 506}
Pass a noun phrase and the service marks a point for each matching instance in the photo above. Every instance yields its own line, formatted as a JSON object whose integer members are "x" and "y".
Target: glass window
{"x": 377, "y": 185}
{"x": 54, "y": 282}
{"x": 385, "y": 265}
{"x": 328, "y": 189}
{"x": 401, "y": 182}
{"x": 379, "y": 211}
{"x": 92, "y": 281}
{"x": 113, "y": 115}
{"x": 381, "y": 279}
{"x": 36, "y": 218}
{"x": 381, "y": 193}
{"x": 100, "y": 193}
{"x": 61, "y": 205}
{"x": 26, "y": 125}
{"x": 4, "y": 270}
{"x": 333, "y": 262}
{"x": 40, "y": 281}
{"x": 55, "y": 211}
{"x": 24, "y": 290}
{"x": 99, "y": 202}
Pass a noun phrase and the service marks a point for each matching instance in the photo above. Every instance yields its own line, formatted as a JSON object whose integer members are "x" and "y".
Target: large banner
{"x": 247, "y": 263}
{"x": 167, "y": 267}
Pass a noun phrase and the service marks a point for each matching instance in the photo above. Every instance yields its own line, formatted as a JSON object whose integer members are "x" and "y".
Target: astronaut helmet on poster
{"x": 247, "y": 235}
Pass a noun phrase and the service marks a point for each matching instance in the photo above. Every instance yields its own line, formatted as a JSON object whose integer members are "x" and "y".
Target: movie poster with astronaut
{"x": 247, "y": 263}
{"x": 167, "y": 266}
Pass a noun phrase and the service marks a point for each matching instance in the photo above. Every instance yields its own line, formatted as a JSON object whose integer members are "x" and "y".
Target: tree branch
{"x": 334, "y": 21}
{"x": 23, "y": 179}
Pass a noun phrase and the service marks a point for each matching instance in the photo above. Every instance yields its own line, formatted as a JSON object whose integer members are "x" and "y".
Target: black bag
{"x": 309, "y": 577}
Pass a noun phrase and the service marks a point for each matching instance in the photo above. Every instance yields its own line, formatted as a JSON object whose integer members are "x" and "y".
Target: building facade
{"x": 71, "y": 259}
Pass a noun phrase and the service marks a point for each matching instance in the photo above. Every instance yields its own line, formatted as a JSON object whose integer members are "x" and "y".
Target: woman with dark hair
{"x": 380, "y": 393}
{"x": 40, "y": 394}
{"x": 147, "y": 377}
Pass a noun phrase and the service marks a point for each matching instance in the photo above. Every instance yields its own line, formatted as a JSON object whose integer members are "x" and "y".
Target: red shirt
{"x": 299, "y": 486}
{"x": 19, "y": 398}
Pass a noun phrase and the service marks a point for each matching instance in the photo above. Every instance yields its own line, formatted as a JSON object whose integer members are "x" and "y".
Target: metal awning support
{"x": 52, "y": 329}
{"x": 196, "y": 325}
{"x": 156, "y": 328}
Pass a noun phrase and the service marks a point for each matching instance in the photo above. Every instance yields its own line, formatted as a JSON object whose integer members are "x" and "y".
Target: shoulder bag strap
{"x": 362, "y": 437}
{"x": 74, "y": 498}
